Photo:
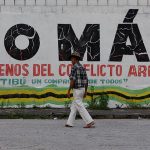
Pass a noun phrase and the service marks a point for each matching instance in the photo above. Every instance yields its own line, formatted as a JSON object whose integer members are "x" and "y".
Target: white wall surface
{"x": 45, "y": 15}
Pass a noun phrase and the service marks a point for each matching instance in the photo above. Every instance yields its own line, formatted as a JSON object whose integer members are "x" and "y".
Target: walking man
{"x": 79, "y": 84}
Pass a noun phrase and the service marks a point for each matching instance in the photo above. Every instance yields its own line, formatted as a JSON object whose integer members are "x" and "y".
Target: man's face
{"x": 73, "y": 60}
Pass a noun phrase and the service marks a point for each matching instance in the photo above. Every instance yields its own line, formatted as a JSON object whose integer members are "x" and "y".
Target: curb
{"x": 42, "y": 113}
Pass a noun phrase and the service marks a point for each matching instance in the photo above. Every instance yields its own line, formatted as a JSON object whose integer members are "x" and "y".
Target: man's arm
{"x": 70, "y": 87}
{"x": 86, "y": 87}
{"x": 72, "y": 77}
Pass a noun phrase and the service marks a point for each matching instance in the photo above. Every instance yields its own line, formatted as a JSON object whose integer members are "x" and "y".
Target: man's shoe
{"x": 90, "y": 125}
{"x": 68, "y": 126}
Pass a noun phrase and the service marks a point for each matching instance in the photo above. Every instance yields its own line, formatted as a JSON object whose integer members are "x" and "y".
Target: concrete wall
{"x": 71, "y": 6}
{"x": 14, "y": 11}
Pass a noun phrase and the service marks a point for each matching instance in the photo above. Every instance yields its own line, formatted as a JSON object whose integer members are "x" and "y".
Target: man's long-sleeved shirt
{"x": 78, "y": 74}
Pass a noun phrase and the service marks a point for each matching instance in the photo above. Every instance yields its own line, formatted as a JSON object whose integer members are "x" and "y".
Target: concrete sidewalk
{"x": 109, "y": 134}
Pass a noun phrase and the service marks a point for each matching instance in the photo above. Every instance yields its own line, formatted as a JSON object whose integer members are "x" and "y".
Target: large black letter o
{"x": 30, "y": 33}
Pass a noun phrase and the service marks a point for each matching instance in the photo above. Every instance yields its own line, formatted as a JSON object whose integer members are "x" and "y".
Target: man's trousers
{"x": 77, "y": 105}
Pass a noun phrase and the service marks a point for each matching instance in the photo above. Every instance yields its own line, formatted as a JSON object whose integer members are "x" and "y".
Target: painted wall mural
{"x": 56, "y": 97}
{"x": 35, "y": 58}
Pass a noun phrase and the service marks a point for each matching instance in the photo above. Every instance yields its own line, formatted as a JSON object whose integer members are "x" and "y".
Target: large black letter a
{"x": 131, "y": 31}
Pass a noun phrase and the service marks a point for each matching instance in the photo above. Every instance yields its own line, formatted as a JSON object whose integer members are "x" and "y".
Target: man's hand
{"x": 68, "y": 94}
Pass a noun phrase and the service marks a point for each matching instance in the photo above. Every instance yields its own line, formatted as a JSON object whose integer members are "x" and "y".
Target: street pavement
{"x": 109, "y": 134}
